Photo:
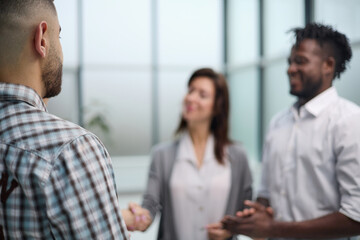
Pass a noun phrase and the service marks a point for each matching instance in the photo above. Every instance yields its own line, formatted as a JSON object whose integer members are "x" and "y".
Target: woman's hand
{"x": 136, "y": 218}
{"x": 216, "y": 232}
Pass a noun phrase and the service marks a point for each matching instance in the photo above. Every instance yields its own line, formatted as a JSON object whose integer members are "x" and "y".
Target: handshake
{"x": 256, "y": 221}
{"x": 136, "y": 218}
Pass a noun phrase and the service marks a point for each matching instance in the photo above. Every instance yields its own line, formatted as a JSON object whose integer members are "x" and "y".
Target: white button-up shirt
{"x": 199, "y": 195}
{"x": 311, "y": 160}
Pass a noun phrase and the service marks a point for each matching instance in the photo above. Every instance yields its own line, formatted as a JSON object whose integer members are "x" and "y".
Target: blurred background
{"x": 126, "y": 65}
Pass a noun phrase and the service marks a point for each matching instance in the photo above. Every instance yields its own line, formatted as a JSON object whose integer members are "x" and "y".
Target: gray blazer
{"x": 157, "y": 196}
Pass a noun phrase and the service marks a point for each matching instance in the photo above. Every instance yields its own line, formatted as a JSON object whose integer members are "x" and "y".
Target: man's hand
{"x": 255, "y": 222}
{"x": 250, "y": 211}
{"x": 216, "y": 232}
{"x": 136, "y": 217}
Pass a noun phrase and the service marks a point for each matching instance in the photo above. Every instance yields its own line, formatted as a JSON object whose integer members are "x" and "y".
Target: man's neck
{"x": 18, "y": 76}
{"x": 303, "y": 100}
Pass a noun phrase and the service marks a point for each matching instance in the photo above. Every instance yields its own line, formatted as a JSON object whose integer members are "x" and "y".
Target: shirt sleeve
{"x": 347, "y": 150}
{"x": 81, "y": 194}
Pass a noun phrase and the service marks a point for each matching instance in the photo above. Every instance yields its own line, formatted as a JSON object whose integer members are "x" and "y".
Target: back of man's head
{"x": 21, "y": 7}
{"x": 333, "y": 43}
{"x": 16, "y": 20}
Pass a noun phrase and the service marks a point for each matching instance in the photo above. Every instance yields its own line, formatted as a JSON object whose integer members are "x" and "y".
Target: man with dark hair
{"x": 310, "y": 184}
{"x": 57, "y": 180}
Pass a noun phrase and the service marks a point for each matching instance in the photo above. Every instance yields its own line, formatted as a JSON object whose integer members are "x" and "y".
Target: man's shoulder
{"x": 68, "y": 130}
{"x": 347, "y": 107}
{"x": 345, "y": 114}
{"x": 62, "y": 130}
{"x": 63, "y": 133}
{"x": 40, "y": 132}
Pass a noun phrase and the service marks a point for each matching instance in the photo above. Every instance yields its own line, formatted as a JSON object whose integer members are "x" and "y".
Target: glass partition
{"x": 279, "y": 17}
{"x": 343, "y": 16}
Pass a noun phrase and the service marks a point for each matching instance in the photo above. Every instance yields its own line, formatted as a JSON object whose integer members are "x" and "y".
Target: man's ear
{"x": 40, "y": 40}
{"x": 329, "y": 66}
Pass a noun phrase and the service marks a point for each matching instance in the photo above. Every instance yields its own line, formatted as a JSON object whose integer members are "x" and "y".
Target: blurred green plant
{"x": 96, "y": 120}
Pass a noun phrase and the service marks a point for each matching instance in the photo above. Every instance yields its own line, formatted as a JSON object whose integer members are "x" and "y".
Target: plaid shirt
{"x": 57, "y": 180}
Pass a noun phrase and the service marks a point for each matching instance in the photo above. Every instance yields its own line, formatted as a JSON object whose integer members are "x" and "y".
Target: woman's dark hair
{"x": 333, "y": 43}
{"x": 219, "y": 123}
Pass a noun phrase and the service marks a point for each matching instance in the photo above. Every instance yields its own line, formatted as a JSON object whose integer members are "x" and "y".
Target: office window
{"x": 244, "y": 105}
{"x": 117, "y": 74}
{"x": 343, "y": 16}
{"x": 67, "y": 14}
{"x": 243, "y": 32}
{"x": 66, "y": 105}
{"x": 172, "y": 88}
{"x": 190, "y": 37}
{"x": 190, "y": 33}
{"x": 117, "y": 33}
{"x": 243, "y": 55}
{"x": 122, "y": 100}
{"x": 280, "y": 16}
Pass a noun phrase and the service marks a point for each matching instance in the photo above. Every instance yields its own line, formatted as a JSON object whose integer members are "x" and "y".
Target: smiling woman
{"x": 199, "y": 101}
{"x": 206, "y": 106}
{"x": 201, "y": 173}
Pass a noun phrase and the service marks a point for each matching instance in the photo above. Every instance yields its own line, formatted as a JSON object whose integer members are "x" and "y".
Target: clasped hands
{"x": 136, "y": 218}
{"x": 255, "y": 222}
{"x": 139, "y": 219}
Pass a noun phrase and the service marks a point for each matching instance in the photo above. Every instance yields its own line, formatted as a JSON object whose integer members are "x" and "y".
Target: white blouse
{"x": 199, "y": 195}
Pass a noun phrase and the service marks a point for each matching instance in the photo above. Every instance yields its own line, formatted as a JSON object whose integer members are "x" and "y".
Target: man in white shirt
{"x": 310, "y": 184}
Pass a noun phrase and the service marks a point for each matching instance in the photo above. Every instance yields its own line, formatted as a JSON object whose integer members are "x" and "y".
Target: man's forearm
{"x": 330, "y": 226}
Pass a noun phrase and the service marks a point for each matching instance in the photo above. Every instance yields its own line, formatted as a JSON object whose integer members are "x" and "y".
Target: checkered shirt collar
{"x": 10, "y": 92}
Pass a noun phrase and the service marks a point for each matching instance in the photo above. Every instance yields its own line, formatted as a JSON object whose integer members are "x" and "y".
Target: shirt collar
{"x": 10, "y": 92}
{"x": 316, "y": 105}
{"x": 186, "y": 150}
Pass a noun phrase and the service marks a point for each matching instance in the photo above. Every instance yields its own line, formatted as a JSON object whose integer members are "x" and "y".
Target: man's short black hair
{"x": 15, "y": 17}
{"x": 20, "y": 7}
{"x": 334, "y": 43}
